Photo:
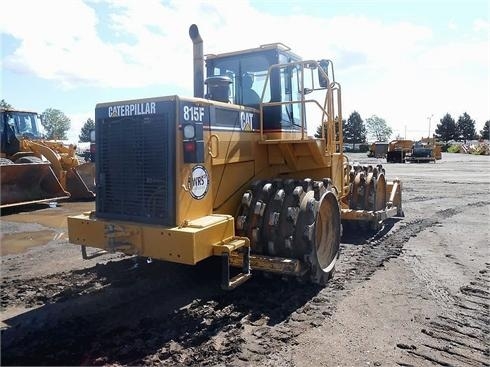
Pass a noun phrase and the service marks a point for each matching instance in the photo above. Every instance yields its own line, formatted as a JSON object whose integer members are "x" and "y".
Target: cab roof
{"x": 278, "y": 46}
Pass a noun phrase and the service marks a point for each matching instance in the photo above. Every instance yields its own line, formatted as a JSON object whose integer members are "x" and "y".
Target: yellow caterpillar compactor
{"x": 233, "y": 172}
{"x": 37, "y": 170}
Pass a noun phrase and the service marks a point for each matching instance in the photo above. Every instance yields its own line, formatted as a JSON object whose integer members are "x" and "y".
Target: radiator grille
{"x": 136, "y": 169}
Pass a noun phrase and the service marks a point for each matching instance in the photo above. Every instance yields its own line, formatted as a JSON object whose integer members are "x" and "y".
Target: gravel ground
{"x": 414, "y": 294}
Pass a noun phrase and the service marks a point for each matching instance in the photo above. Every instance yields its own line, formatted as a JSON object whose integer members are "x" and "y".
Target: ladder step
{"x": 230, "y": 249}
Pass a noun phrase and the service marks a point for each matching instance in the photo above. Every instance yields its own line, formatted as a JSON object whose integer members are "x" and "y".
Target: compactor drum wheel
{"x": 368, "y": 192}
{"x": 367, "y": 188}
{"x": 293, "y": 219}
{"x": 321, "y": 236}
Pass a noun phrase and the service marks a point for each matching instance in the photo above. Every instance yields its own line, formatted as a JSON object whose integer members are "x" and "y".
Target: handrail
{"x": 329, "y": 118}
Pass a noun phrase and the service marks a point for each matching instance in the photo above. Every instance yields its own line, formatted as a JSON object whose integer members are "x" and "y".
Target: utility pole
{"x": 430, "y": 118}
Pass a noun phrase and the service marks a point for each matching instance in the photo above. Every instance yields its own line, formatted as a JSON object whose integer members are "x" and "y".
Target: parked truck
{"x": 421, "y": 151}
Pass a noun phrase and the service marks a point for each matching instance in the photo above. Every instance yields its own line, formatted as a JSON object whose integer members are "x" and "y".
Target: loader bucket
{"x": 28, "y": 183}
{"x": 80, "y": 181}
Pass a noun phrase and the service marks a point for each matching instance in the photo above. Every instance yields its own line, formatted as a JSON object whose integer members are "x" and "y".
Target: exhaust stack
{"x": 198, "y": 61}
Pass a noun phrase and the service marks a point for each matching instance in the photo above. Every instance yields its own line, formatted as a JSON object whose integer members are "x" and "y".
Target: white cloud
{"x": 63, "y": 42}
{"x": 400, "y": 71}
{"x": 452, "y": 25}
{"x": 57, "y": 41}
{"x": 481, "y": 25}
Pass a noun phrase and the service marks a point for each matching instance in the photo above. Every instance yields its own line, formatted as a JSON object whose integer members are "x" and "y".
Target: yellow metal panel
{"x": 337, "y": 170}
{"x": 305, "y": 149}
{"x": 206, "y": 221}
{"x": 189, "y": 208}
{"x": 365, "y": 215}
{"x": 288, "y": 154}
{"x": 283, "y": 135}
{"x": 186, "y": 245}
{"x": 274, "y": 155}
{"x": 394, "y": 193}
{"x": 234, "y": 146}
{"x": 228, "y": 179}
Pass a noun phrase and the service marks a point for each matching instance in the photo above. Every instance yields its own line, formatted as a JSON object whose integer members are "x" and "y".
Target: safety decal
{"x": 198, "y": 182}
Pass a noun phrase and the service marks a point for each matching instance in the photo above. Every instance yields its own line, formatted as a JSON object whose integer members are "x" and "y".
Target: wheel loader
{"x": 34, "y": 169}
{"x": 182, "y": 179}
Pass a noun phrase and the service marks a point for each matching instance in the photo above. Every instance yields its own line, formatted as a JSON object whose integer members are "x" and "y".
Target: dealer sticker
{"x": 198, "y": 182}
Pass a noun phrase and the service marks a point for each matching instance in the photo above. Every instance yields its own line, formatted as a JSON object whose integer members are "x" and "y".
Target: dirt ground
{"x": 414, "y": 294}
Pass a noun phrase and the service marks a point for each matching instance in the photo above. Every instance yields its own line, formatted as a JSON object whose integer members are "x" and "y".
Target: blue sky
{"x": 403, "y": 61}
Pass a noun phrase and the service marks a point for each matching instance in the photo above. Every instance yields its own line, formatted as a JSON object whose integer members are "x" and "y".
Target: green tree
{"x": 85, "y": 131}
{"x": 56, "y": 124}
{"x": 5, "y": 104}
{"x": 318, "y": 133}
{"x": 354, "y": 130}
{"x": 466, "y": 127}
{"x": 485, "y": 132}
{"x": 378, "y": 128}
{"x": 446, "y": 130}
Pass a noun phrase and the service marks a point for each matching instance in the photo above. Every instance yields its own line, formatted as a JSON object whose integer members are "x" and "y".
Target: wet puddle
{"x": 46, "y": 216}
{"x": 25, "y": 227}
{"x": 15, "y": 243}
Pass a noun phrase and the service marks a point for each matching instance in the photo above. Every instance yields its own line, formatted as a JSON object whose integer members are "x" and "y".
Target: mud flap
{"x": 28, "y": 183}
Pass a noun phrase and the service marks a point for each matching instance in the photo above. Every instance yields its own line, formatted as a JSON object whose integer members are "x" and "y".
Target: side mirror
{"x": 323, "y": 73}
{"x": 92, "y": 136}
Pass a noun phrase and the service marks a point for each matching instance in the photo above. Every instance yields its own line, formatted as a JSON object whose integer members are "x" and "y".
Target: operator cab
{"x": 242, "y": 78}
{"x": 15, "y": 125}
{"x": 23, "y": 123}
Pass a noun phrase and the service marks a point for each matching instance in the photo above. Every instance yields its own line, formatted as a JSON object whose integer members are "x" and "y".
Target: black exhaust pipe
{"x": 198, "y": 61}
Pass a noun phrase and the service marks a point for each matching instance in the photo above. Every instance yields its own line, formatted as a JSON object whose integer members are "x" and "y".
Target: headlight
{"x": 189, "y": 131}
